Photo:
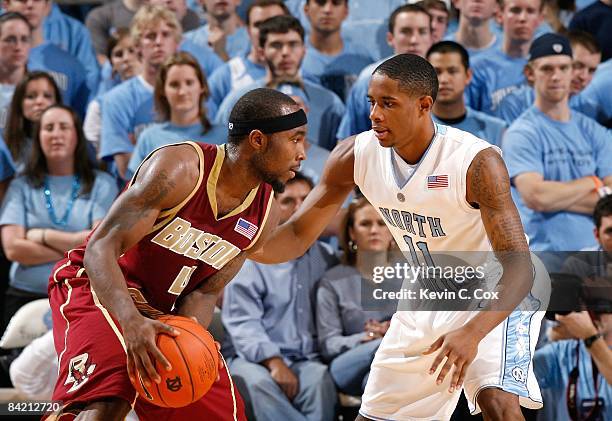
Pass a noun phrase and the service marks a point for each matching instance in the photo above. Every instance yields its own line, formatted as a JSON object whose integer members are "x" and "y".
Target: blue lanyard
{"x": 76, "y": 187}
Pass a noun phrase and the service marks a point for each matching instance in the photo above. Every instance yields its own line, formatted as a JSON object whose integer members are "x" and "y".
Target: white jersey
{"x": 429, "y": 213}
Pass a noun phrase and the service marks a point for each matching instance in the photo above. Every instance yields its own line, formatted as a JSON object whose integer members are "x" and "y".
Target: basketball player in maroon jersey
{"x": 178, "y": 233}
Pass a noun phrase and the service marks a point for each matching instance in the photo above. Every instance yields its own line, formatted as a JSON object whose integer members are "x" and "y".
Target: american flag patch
{"x": 245, "y": 228}
{"x": 437, "y": 181}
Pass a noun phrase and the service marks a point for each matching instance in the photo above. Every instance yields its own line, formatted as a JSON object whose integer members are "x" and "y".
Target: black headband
{"x": 268, "y": 125}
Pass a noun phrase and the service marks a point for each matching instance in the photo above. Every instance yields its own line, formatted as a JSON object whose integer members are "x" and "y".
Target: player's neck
{"x": 11, "y": 75}
{"x": 474, "y": 36}
{"x": 413, "y": 149}
{"x": 329, "y": 43}
{"x": 185, "y": 118}
{"x": 515, "y": 48}
{"x": 60, "y": 167}
{"x": 236, "y": 177}
{"x": 449, "y": 111}
{"x": 558, "y": 111}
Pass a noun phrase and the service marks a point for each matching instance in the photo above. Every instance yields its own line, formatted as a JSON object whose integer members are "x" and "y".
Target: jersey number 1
{"x": 181, "y": 280}
{"x": 422, "y": 246}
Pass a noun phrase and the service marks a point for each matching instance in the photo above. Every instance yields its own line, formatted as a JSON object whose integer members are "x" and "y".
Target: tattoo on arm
{"x": 489, "y": 187}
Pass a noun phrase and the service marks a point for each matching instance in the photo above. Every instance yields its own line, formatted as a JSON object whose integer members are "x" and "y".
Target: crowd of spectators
{"x": 85, "y": 99}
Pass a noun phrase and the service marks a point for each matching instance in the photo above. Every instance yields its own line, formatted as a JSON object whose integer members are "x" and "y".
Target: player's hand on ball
{"x": 460, "y": 348}
{"x": 140, "y": 334}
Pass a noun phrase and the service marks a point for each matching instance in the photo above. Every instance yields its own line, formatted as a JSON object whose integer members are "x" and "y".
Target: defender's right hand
{"x": 140, "y": 334}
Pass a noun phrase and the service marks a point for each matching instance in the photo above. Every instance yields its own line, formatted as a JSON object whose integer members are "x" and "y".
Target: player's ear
{"x": 426, "y": 104}
{"x": 257, "y": 140}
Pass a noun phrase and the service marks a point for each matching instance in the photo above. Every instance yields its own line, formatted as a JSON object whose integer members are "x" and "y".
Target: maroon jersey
{"x": 188, "y": 243}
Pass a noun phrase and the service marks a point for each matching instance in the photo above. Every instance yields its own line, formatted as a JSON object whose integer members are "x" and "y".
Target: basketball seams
{"x": 185, "y": 325}
{"x": 186, "y": 365}
{"x": 206, "y": 346}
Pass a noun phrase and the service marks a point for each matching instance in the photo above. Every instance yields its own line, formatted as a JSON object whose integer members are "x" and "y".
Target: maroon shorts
{"x": 92, "y": 360}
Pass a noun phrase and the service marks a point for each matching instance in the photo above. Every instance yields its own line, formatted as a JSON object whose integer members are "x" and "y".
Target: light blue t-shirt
{"x": 480, "y": 125}
{"x": 236, "y": 44}
{"x": 326, "y": 110}
{"x": 7, "y": 167}
{"x": 126, "y": 110}
{"x": 67, "y": 71}
{"x": 235, "y": 74}
{"x": 73, "y": 37}
{"x": 335, "y": 72}
{"x": 107, "y": 80}
{"x": 161, "y": 134}
{"x": 357, "y": 116}
{"x": 560, "y": 151}
{"x": 599, "y": 90}
{"x": 476, "y": 52}
{"x": 495, "y": 75}
{"x": 6, "y": 96}
{"x": 552, "y": 365}
{"x": 25, "y": 205}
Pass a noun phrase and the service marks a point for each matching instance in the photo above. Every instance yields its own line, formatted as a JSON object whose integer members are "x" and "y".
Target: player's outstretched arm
{"x": 162, "y": 183}
{"x": 291, "y": 239}
{"x": 488, "y": 187}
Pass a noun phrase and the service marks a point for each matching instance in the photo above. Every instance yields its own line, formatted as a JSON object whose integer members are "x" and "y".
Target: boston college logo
{"x": 174, "y": 385}
{"x": 79, "y": 370}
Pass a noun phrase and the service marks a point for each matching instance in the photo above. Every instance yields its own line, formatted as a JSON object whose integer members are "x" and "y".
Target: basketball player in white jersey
{"x": 427, "y": 358}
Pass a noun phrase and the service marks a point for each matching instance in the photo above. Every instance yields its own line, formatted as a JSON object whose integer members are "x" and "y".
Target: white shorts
{"x": 400, "y": 387}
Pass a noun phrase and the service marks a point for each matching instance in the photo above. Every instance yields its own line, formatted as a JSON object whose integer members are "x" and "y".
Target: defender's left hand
{"x": 459, "y": 347}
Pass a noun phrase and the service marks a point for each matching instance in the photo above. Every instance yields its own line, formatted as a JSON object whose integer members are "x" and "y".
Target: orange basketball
{"x": 194, "y": 359}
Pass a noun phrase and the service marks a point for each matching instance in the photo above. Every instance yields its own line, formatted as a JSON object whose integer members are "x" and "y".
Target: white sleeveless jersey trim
{"x": 435, "y": 211}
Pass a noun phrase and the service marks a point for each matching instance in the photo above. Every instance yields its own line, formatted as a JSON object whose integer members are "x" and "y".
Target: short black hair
{"x": 602, "y": 208}
{"x": 265, "y": 3}
{"x": 279, "y": 25}
{"x": 445, "y": 47}
{"x": 407, "y": 8}
{"x": 415, "y": 75}
{"x": 258, "y": 104}
{"x": 301, "y": 177}
{"x": 585, "y": 39}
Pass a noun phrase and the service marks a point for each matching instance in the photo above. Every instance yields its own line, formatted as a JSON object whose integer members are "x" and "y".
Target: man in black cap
{"x": 557, "y": 158}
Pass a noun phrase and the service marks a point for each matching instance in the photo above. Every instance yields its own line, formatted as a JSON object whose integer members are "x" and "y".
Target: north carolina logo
{"x": 79, "y": 371}
{"x": 557, "y": 48}
{"x": 174, "y": 385}
{"x": 519, "y": 374}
